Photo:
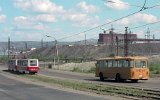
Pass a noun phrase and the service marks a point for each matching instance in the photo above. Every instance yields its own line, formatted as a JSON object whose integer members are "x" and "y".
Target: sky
{"x": 70, "y": 20}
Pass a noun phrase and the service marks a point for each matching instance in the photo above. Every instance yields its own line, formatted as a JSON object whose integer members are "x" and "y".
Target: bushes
{"x": 3, "y": 59}
{"x": 92, "y": 70}
{"x": 81, "y": 70}
{"x": 41, "y": 57}
{"x": 154, "y": 68}
{"x": 76, "y": 69}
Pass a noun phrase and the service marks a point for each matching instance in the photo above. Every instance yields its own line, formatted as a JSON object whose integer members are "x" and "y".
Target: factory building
{"x": 109, "y": 38}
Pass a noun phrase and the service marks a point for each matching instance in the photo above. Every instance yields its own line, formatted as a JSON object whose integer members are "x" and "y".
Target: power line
{"x": 143, "y": 8}
{"x": 146, "y": 24}
{"x": 153, "y": 6}
{"x": 109, "y": 1}
{"x": 101, "y": 25}
{"x": 138, "y": 26}
{"x": 131, "y": 4}
{"x": 142, "y": 25}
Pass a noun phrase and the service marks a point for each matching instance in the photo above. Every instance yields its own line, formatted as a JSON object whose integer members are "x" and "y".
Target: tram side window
{"x": 114, "y": 63}
{"x": 109, "y": 63}
{"x": 106, "y": 64}
{"x": 19, "y": 63}
{"x": 131, "y": 63}
{"x": 33, "y": 63}
{"x": 24, "y": 63}
{"x": 126, "y": 63}
{"x": 101, "y": 64}
{"x": 13, "y": 62}
{"x": 120, "y": 63}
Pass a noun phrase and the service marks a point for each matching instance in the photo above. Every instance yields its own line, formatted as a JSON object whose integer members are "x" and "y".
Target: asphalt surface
{"x": 15, "y": 90}
{"x": 152, "y": 83}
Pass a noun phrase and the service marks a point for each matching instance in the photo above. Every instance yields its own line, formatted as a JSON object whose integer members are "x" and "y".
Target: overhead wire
{"x": 142, "y": 9}
{"x": 109, "y": 1}
{"x": 146, "y": 24}
{"x": 138, "y": 6}
{"x": 131, "y": 28}
{"x": 99, "y": 26}
{"x": 135, "y": 27}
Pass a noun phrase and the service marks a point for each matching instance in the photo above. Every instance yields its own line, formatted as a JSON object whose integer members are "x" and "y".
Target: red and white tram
{"x": 12, "y": 64}
{"x": 24, "y": 65}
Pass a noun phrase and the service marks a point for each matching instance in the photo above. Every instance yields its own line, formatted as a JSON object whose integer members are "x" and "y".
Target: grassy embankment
{"x": 89, "y": 67}
{"x": 97, "y": 88}
{"x": 154, "y": 65}
{"x": 154, "y": 68}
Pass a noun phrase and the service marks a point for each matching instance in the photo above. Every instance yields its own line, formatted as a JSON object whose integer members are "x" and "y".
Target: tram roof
{"x": 122, "y": 57}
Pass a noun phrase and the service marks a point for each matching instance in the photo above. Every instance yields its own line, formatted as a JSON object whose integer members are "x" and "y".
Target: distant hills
{"x": 24, "y": 45}
{"x": 78, "y": 49}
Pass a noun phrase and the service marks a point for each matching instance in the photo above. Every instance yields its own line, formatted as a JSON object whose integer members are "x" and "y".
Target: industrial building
{"x": 110, "y": 38}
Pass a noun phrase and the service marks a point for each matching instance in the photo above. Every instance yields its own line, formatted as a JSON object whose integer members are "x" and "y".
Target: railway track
{"x": 151, "y": 84}
{"x": 153, "y": 94}
{"x": 151, "y": 88}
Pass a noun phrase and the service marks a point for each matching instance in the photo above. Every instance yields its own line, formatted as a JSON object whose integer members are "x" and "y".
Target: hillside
{"x": 95, "y": 51}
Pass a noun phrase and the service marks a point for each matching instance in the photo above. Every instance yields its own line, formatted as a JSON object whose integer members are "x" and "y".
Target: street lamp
{"x": 56, "y": 49}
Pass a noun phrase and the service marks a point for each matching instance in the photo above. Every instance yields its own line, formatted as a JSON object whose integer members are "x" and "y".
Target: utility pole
{"x": 85, "y": 49}
{"x": 9, "y": 47}
{"x": 153, "y": 37}
{"x": 26, "y": 46}
{"x": 117, "y": 45}
{"x": 147, "y": 36}
{"x": 112, "y": 40}
{"x": 130, "y": 40}
{"x": 126, "y": 42}
{"x": 55, "y": 51}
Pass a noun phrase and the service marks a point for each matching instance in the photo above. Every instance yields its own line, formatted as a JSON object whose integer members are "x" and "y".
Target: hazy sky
{"x": 31, "y": 20}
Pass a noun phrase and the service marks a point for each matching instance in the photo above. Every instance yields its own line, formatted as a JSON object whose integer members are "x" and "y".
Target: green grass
{"x": 92, "y": 87}
{"x": 154, "y": 68}
{"x": 3, "y": 59}
{"x": 77, "y": 69}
